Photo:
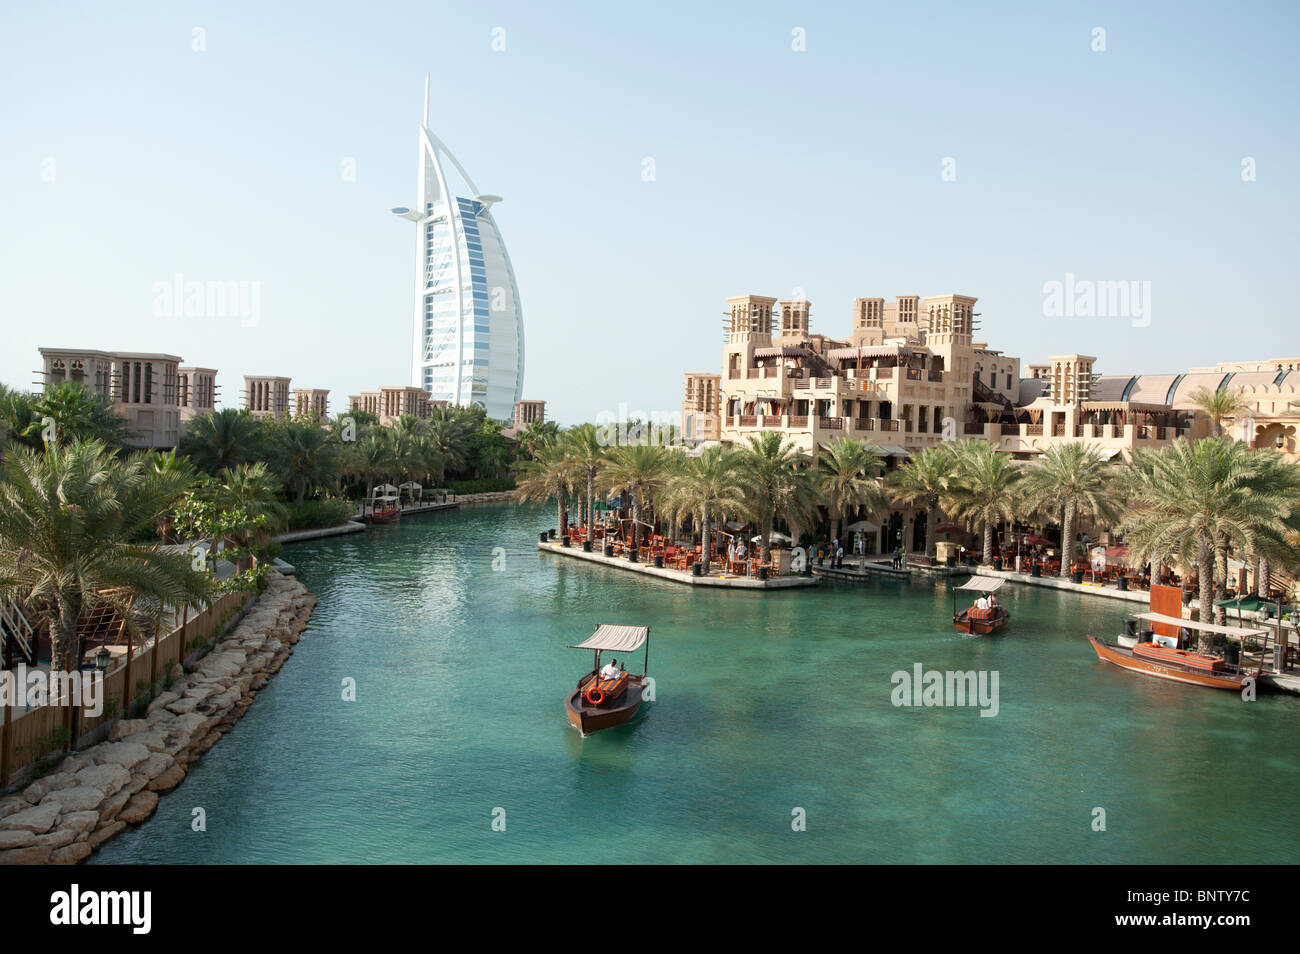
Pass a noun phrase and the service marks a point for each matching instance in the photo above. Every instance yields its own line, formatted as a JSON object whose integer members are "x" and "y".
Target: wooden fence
{"x": 42, "y": 731}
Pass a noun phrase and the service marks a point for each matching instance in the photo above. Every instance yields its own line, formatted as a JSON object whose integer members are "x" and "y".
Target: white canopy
{"x": 863, "y": 525}
{"x": 610, "y": 637}
{"x": 1201, "y": 627}
{"x": 775, "y": 537}
{"x": 985, "y": 584}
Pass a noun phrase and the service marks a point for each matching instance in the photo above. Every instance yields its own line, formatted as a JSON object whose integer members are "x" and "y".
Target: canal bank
{"x": 715, "y": 579}
{"x": 94, "y": 794}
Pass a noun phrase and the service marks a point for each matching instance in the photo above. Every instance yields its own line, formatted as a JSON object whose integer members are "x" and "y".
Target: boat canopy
{"x": 1200, "y": 627}
{"x": 610, "y": 637}
{"x": 985, "y": 584}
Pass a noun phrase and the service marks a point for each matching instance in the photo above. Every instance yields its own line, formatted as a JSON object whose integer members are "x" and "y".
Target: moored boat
{"x": 1161, "y": 656}
{"x": 981, "y": 620}
{"x": 604, "y": 699}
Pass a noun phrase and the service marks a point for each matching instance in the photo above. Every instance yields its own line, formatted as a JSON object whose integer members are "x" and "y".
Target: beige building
{"x": 912, "y": 374}
{"x": 266, "y": 396}
{"x": 526, "y": 412}
{"x": 312, "y": 403}
{"x": 197, "y": 392}
{"x": 390, "y": 403}
{"x": 700, "y": 420}
{"x": 145, "y": 388}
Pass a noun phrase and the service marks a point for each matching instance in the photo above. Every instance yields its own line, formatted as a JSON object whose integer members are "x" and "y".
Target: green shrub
{"x": 314, "y": 514}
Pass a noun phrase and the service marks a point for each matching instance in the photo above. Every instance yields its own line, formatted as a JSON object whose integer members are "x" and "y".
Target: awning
{"x": 866, "y": 525}
{"x": 1125, "y": 406}
{"x": 785, "y": 351}
{"x": 610, "y": 637}
{"x": 1107, "y": 453}
{"x": 871, "y": 351}
{"x": 890, "y": 450}
{"x": 1200, "y": 627}
{"x": 985, "y": 584}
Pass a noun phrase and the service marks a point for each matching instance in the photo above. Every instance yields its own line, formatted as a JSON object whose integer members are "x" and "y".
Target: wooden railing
{"x": 888, "y": 425}
{"x": 799, "y": 421}
{"x": 748, "y": 420}
{"x": 864, "y": 424}
{"x": 831, "y": 423}
{"x": 936, "y": 376}
{"x": 42, "y": 731}
{"x": 971, "y": 427}
{"x": 1034, "y": 430}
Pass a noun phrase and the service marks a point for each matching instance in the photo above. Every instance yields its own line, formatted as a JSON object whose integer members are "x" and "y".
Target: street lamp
{"x": 103, "y": 658}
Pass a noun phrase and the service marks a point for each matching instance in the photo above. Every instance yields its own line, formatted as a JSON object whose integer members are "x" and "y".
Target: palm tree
{"x": 848, "y": 477}
{"x": 306, "y": 458}
{"x": 639, "y": 469}
{"x": 710, "y": 486}
{"x": 588, "y": 454}
{"x": 549, "y": 475}
{"x": 252, "y": 487}
{"x": 225, "y": 438}
{"x": 167, "y": 466}
{"x": 1188, "y": 496}
{"x": 371, "y": 457}
{"x": 984, "y": 488}
{"x": 535, "y": 435}
{"x": 69, "y": 520}
{"x": 78, "y": 413}
{"x": 1071, "y": 482}
{"x": 924, "y": 480}
{"x": 778, "y": 483}
{"x": 1218, "y": 405}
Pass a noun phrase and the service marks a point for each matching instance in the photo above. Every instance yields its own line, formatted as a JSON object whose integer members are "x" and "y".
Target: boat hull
{"x": 980, "y": 627}
{"x": 588, "y": 718}
{"x": 1125, "y": 659}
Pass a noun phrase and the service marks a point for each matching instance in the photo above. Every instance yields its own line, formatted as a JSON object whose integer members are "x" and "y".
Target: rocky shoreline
{"x": 94, "y": 794}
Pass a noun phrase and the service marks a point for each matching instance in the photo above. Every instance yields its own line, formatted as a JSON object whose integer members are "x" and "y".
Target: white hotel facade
{"x": 468, "y": 325}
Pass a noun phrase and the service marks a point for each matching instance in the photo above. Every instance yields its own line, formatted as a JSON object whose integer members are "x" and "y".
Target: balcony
{"x": 934, "y": 376}
{"x": 913, "y": 374}
{"x": 799, "y": 421}
{"x": 748, "y": 420}
{"x": 888, "y": 425}
{"x": 1033, "y": 430}
{"x": 864, "y": 424}
{"x": 883, "y": 374}
{"x": 831, "y": 423}
{"x": 973, "y": 427}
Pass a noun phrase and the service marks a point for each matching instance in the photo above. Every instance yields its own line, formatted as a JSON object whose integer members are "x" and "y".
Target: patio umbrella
{"x": 863, "y": 525}
{"x": 1117, "y": 555}
{"x": 1034, "y": 540}
{"x": 774, "y": 538}
{"x": 950, "y": 528}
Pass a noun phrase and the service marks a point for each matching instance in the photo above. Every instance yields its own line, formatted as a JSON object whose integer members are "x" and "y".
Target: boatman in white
{"x": 610, "y": 670}
{"x": 982, "y": 603}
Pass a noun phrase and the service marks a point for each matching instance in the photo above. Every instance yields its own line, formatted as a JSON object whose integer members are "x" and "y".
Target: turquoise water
{"x": 765, "y": 703}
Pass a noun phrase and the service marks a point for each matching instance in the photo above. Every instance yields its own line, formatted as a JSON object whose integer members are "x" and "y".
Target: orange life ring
{"x": 595, "y": 696}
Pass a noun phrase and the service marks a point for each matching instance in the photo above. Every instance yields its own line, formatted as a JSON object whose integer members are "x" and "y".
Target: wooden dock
{"x": 680, "y": 576}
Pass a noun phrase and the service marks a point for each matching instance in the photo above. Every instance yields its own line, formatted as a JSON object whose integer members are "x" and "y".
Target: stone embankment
{"x": 92, "y": 795}
{"x": 495, "y": 496}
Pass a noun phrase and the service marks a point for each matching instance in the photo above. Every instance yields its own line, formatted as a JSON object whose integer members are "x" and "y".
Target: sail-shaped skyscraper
{"x": 469, "y": 328}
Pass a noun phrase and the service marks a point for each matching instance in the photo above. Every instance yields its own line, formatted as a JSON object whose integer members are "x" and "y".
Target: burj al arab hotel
{"x": 469, "y": 328}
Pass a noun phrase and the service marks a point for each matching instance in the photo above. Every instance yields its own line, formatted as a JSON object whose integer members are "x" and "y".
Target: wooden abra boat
{"x": 602, "y": 702}
{"x": 384, "y": 507}
{"x": 976, "y": 621}
{"x": 1160, "y": 656}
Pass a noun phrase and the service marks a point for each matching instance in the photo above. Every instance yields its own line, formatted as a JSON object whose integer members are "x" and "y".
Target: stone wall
{"x": 92, "y": 795}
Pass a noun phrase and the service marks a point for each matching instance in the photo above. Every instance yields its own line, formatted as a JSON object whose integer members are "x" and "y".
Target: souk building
{"x": 389, "y": 404}
{"x": 266, "y": 396}
{"x": 151, "y": 390}
{"x": 905, "y": 369}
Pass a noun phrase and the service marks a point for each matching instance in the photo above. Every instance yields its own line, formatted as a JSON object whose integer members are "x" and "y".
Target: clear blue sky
{"x": 775, "y": 170}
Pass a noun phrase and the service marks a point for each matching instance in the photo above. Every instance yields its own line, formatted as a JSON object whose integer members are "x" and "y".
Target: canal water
{"x": 773, "y": 713}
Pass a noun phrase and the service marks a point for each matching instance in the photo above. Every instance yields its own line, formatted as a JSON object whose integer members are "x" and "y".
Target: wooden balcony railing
{"x": 1034, "y": 430}
{"x": 800, "y": 421}
{"x": 864, "y": 424}
{"x": 831, "y": 423}
{"x": 936, "y": 376}
{"x": 748, "y": 420}
{"x": 888, "y": 425}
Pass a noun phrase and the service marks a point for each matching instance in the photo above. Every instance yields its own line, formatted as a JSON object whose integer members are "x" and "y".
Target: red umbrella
{"x": 1033, "y": 540}
{"x": 950, "y": 528}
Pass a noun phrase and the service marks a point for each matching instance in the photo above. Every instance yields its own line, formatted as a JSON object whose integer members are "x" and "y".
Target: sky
{"x": 655, "y": 159}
